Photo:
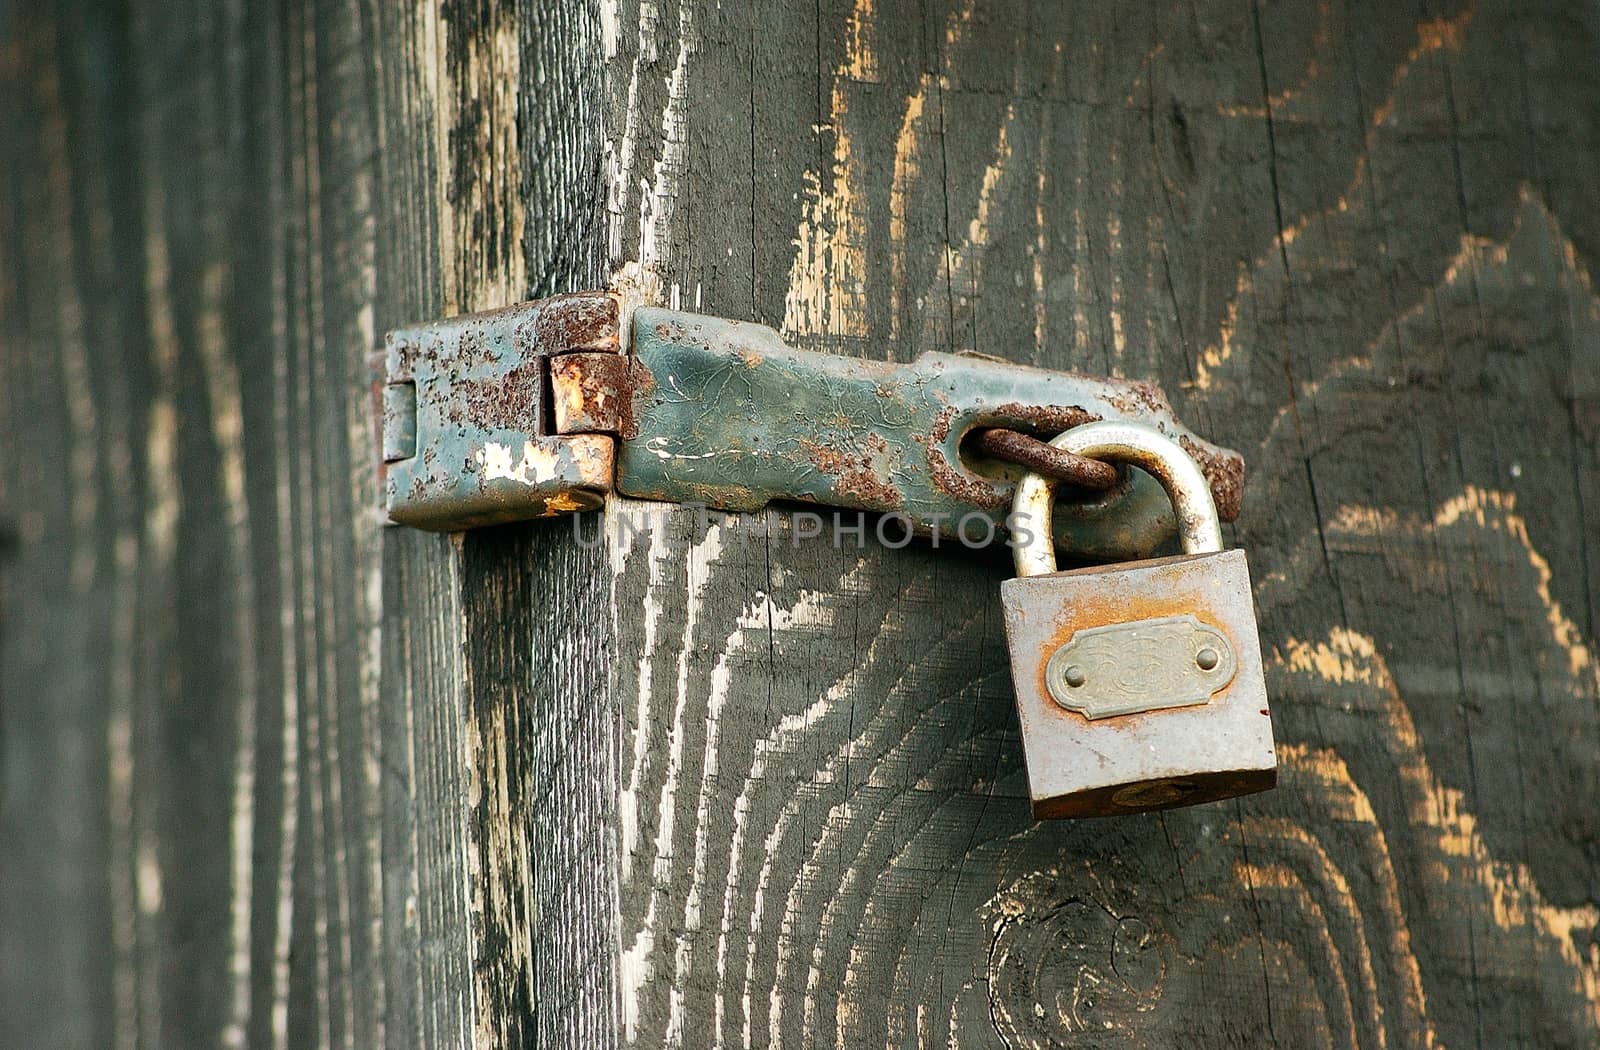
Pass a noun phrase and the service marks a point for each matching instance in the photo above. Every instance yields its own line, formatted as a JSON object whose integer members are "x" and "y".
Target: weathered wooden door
{"x": 271, "y": 775}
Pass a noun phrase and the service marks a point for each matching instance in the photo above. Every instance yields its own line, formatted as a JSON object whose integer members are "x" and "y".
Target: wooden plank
{"x": 1353, "y": 244}
{"x": 255, "y": 727}
{"x": 51, "y": 863}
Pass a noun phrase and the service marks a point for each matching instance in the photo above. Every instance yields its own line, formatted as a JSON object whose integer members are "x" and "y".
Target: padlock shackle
{"x": 1116, "y": 441}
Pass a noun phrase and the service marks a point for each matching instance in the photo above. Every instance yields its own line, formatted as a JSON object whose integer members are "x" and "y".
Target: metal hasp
{"x": 534, "y": 410}
{"x": 467, "y": 423}
{"x": 723, "y": 413}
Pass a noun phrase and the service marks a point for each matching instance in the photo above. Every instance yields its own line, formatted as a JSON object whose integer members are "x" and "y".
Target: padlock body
{"x": 1157, "y": 697}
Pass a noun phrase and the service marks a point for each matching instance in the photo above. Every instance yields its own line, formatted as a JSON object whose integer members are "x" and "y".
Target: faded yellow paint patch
{"x": 828, "y": 290}
{"x": 964, "y": 258}
{"x": 1441, "y": 33}
{"x": 1345, "y": 657}
{"x": 1496, "y": 511}
{"x": 1041, "y": 237}
{"x": 1080, "y": 279}
{"x": 827, "y": 282}
{"x": 978, "y": 229}
{"x": 1313, "y": 69}
{"x": 1437, "y": 812}
{"x": 1477, "y": 505}
{"x": 1311, "y": 871}
{"x": 861, "y": 56}
{"x": 1438, "y": 34}
{"x": 1575, "y": 267}
{"x": 1432, "y": 36}
{"x": 1216, "y": 354}
{"x": 907, "y": 169}
{"x": 1364, "y": 520}
{"x": 1119, "y": 341}
{"x": 906, "y": 162}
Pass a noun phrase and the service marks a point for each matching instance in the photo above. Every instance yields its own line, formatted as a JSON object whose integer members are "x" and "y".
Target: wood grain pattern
{"x": 1352, "y": 244}
{"x": 255, "y": 752}
{"x": 272, "y": 776}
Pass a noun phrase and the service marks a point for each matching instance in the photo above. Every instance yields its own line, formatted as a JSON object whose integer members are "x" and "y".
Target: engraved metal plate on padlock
{"x": 1140, "y": 685}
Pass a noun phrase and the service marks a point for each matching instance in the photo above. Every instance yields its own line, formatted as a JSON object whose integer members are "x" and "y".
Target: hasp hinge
{"x": 500, "y": 416}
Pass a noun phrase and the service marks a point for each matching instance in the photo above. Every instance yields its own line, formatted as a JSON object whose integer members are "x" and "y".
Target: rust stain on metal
{"x": 965, "y": 486}
{"x": 1045, "y": 420}
{"x": 1225, "y": 471}
{"x": 590, "y": 391}
{"x": 959, "y": 482}
{"x": 511, "y": 400}
{"x": 640, "y": 387}
{"x": 563, "y": 503}
{"x": 582, "y": 321}
{"x": 595, "y": 392}
{"x": 1223, "y": 468}
{"x": 1140, "y": 397}
{"x": 864, "y": 475}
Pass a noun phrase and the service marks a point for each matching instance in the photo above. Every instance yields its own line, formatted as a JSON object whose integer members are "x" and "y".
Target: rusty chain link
{"x": 1013, "y": 446}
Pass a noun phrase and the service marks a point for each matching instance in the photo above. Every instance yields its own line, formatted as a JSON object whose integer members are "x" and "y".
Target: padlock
{"x": 1139, "y": 685}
